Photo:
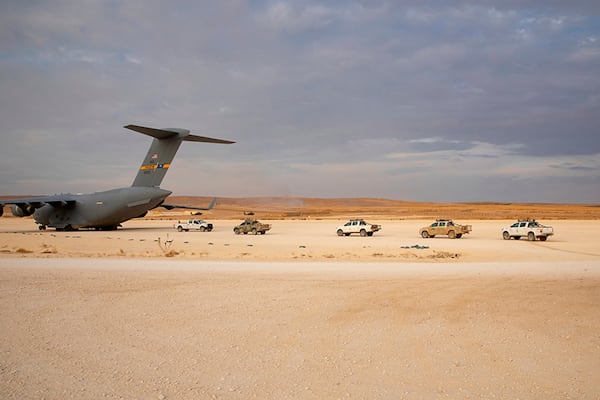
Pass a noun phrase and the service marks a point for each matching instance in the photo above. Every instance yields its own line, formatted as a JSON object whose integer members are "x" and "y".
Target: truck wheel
{"x": 179, "y": 229}
{"x": 424, "y": 234}
{"x": 531, "y": 236}
{"x": 202, "y": 229}
{"x": 363, "y": 232}
{"x": 506, "y": 235}
{"x": 458, "y": 235}
{"x": 369, "y": 233}
{"x": 543, "y": 238}
{"x": 340, "y": 232}
{"x": 236, "y": 231}
{"x": 452, "y": 234}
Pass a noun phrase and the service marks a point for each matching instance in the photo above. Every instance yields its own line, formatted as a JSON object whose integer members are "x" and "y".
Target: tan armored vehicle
{"x": 251, "y": 226}
{"x": 445, "y": 227}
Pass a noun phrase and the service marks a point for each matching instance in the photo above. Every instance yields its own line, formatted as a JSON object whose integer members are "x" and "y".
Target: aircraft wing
{"x": 57, "y": 200}
{"x": 172, "y": 206}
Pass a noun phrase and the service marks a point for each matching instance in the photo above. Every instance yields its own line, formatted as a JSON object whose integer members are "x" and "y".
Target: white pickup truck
{"x": 193, "y": 224}
{"x": 530, "y": 228}
{"x": 357, "y": 226}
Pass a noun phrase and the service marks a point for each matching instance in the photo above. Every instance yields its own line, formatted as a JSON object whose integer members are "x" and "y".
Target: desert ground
{"x": 301, "y": 240}
{"x": 146, "y": 312}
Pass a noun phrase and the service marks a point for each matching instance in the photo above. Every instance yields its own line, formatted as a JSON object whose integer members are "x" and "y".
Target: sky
{"x": 410, "y": 100}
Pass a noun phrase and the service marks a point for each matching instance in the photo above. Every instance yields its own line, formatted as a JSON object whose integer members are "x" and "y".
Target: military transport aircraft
{"x": 107, "y": 210}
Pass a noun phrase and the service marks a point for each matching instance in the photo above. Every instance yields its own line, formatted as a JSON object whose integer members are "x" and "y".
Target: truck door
{"x": 348, "y": 227}
{"x": 441, "y": 228}
{"x": 433, "y": 228}
{"x": 522, "y": 228}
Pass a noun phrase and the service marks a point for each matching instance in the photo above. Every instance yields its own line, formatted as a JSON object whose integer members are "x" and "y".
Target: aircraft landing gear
{"x": 42, "y": 227}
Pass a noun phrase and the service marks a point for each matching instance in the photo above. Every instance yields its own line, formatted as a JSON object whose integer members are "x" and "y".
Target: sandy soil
{"x": 302, "y": 240}
{"x": 298, "y": 313}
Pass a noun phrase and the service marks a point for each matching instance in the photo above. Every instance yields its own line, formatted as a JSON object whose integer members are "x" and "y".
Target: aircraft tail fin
{"x": 162, "y": 151}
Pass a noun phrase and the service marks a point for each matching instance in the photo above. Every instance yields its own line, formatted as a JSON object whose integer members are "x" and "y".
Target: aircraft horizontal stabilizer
{"x": 195, "y": 138}
{"x": 156, "y": 133}
{"x": 169, "y": 133}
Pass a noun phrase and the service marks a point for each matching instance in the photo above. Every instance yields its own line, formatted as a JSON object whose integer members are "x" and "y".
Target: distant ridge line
{"x": 288, "y": 207}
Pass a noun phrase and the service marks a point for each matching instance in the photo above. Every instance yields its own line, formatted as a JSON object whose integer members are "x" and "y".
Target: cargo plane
{"x": 107, "y": 210}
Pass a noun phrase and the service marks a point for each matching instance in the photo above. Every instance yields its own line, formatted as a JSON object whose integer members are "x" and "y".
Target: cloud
{"x": 293, "y": 17}
{"x": 336, "y": 97}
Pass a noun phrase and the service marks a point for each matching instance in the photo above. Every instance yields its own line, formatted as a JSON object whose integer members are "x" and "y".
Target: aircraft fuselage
{"x": 101, "y": 210}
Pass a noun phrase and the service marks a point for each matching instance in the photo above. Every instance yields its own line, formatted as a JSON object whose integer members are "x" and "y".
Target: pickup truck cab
{"x": 193, "y": 224}
{"x": 357, "y": 226}
{"x": 529, "y": 228}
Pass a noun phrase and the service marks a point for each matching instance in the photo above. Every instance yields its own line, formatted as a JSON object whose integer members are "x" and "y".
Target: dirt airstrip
{"x": 146, "y": 312}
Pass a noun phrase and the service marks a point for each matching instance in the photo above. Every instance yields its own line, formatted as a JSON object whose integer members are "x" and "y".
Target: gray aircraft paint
{"x": 108, "y": 209}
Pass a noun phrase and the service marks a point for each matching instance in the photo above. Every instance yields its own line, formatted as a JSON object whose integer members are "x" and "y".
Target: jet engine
{"x": 22, "y": 211}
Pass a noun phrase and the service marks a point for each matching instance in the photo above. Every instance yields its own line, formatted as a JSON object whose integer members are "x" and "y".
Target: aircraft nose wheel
{"x": 42, "y": 227}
